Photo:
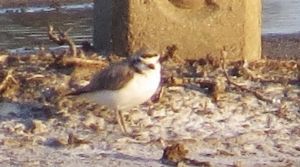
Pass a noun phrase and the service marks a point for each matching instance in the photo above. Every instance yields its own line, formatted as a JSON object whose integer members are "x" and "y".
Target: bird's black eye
{"x": 136, "y": 61}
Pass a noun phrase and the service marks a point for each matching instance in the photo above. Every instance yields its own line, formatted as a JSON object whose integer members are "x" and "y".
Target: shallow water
{"x": 281, "y": 16}
{"x": 25, "y": 29}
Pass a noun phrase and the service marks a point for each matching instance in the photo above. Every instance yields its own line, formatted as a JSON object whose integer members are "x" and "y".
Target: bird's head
{"x": 151, "y": 60}
{"x": 146, "y": 61}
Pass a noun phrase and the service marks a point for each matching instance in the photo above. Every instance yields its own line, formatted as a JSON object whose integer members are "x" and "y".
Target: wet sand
{"x": 281, "y": 46}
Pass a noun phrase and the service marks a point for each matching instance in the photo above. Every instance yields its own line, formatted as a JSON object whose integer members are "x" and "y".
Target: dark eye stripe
{"x": 148, "y": 55}
{"x": 135, "y": 61}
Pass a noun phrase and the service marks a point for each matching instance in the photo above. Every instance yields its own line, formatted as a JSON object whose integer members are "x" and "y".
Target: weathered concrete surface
{"x": 102, "y": 25}
{"x": 197, "y": 27}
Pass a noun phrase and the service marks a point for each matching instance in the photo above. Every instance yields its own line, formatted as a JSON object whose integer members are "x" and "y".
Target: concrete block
{"x": 198, "y": 27}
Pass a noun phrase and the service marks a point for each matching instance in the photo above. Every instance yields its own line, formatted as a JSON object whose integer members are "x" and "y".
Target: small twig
{"x": 63, "y": 34}
{"x": 3, "y": 59}
{"x": 158, "y": 94}
{"x": 170, "y": 54}
{"x": 83, "y": 62}
{"x": 6, "y": 81}
{"x": 62, "y": 38}
{"x": 256, "y": 93}
{"x": 36, "y": 76}
{"x": 53, "y": 37}
{"x": 194, "y": 83}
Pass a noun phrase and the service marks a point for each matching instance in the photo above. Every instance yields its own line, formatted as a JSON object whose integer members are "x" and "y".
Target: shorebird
{"x": 124, "y": 85}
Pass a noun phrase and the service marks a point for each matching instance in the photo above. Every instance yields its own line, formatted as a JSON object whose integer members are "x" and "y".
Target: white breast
{"x": 137, "y": 91}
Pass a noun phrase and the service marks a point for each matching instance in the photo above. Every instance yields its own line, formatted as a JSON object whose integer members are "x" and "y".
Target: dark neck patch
{"x": 134, "y": 67}
{"x": 137, "y": 70}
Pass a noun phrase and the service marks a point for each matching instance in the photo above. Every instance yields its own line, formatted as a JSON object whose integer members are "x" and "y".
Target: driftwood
{"x": 77, "y": 61}
{"x": 62, "y": 38}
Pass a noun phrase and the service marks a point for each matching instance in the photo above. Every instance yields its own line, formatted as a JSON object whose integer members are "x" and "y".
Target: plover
{"x": 124, "y": 85}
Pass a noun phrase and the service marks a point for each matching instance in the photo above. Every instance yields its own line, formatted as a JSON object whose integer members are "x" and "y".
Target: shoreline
{"x": 273, "y": 46}
{"x": 281, "y": 46}
{"x": 27, "y": 3}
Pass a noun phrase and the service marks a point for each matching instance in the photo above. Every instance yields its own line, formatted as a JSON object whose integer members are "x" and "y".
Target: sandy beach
{"x": 239, "y": 114}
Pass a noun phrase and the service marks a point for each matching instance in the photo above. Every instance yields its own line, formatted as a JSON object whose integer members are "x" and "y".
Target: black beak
{"x": 151, "y": 66}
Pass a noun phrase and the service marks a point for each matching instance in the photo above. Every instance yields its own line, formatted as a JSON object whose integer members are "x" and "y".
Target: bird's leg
{"x": 121, "y": 122}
